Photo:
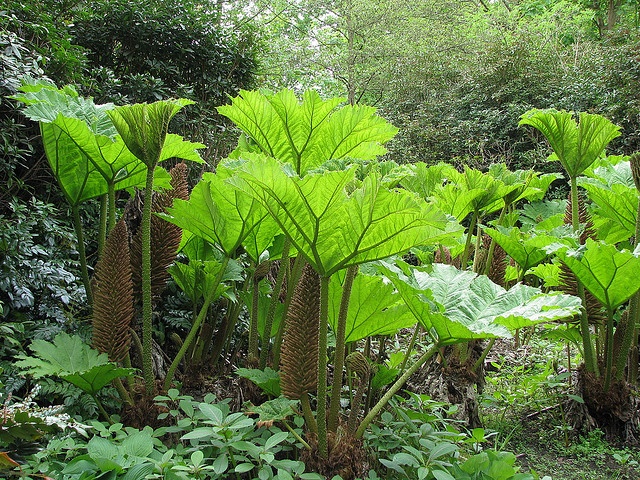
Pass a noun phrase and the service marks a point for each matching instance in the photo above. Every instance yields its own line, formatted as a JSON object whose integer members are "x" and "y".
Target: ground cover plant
{"x": 302, "y": 256}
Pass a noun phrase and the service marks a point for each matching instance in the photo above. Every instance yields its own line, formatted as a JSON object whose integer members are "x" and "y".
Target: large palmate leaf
{"x": 45, "y": 102}
{"x": 456, "y": 201}
{"x": 197, "y": 277}
{"x": 526, "y": 250}
{"x": 527, "y": 184}
{"x": 609, "y": 274}
{"x": 334, "y": 229}
{"x": 425, "y": 179}
{"x": 143, "y": 128}
{"x": 309, "y": 133}
{"x": 575, "y": 145}
{"x": 612, "y": 189}
{"x": 375, "y": 308}
{"x": 83, "y": 148}
{"x": 70, "y": 358}
{"x": 458, "y": 306}
{"x": 222, "y": 215}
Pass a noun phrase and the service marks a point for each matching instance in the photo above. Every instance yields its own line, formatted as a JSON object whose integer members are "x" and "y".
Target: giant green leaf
{"x": 70, "y": 358}
{"x": 609, "y": 274}
{"x": 375, "y": 308}
{"x": 456, "y": 201}
{"x": 143, "y": 127}
{"x": 333, "y": 228}
{"x": 526, "y": 250}
{"x": 611, "y": 188}
{"x": 45, "y": 102}
{"x": 220, "y": 214}
{"x": 575, "y": 145}
{"x": 82, "y": 145}
{"x": 458, "y": 306}
{"x": 425, "y": 179}
{"x": 309, "y": 133}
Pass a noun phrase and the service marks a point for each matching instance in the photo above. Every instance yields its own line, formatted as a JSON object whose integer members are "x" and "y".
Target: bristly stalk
{"x": 196, "y": 325}
{"x": 590, "y": 360}
{"x": 338, "y": 362}
{"x": 398, "y": 384}
{"x": 275, "y": 299}
{"x": 77, "y": 225}
{"x": 293, "y": 278}
{"x": 147, "y": 307}
{"x": 323, "y": 448}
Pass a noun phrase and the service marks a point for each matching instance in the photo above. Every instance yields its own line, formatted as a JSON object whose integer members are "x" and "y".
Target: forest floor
{"x": 524, "y": 403}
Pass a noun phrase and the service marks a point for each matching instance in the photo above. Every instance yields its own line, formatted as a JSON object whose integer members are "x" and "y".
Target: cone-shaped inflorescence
{"x": 113, "y": 308}
{"x": 299, "y": 354}
{"x": 498, "y": 268}
{"x": 165, "y": 236}
{"x": 568, "y": 281}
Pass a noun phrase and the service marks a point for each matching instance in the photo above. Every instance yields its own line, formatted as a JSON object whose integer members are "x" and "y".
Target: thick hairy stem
{"x": 476, "y": 256}
{"x": 467, "y": 245}
{"x": 484, "y": 354}
{"x": 609, "y": 351}
{"x": 633, "y": 319}
{"x": 398, "y": 384}
{"x": 124, "y": 394}
{"x": 309, "y": 419}
{"x": 492, "y": 245}
{"x": 111, "y": 208}
{"x": 252, "y": 353}
{"x": 275, "y": 299}
{"x": 102, "y": 232}
{"x": 227, "y": 327}
{"x": 322, "y": 368}
{"x": 196, "y": 326}
{"x": 147, "y": 306}
{"x": 77, "y": 225}
{"x": 338, "y": 362}
{"x": 292, "y": 281}
{"x": 590, "y": 360}
{"x": 412, "y": 343}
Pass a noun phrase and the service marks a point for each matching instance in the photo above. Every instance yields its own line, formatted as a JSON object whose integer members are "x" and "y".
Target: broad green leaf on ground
{"x": 526, "y": 250}
{"x": 222, "y": 215}
{"x": 307, "y": 133}
{"x": 334, "y": 229}
{"x": 575, "y": 145}
{"x": 458, "y": 306}
{"x": 375, "y": 308}
{"x": 70, "y": 358}
{"x": 268, "y": 379}
{"x": 273, "y": 410}
{"x": 609, "y": 274}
